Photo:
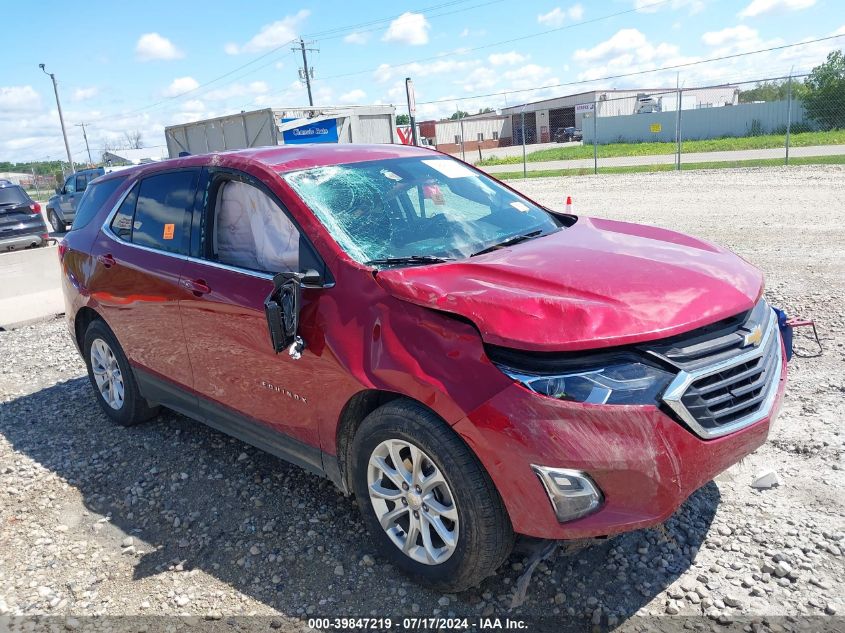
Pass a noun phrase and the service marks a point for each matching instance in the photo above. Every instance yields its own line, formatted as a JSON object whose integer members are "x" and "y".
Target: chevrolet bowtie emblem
{"x": 753, "y": 337}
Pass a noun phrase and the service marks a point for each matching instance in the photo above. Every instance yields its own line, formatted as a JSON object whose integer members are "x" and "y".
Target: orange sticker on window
{"x": 169, "y": 229}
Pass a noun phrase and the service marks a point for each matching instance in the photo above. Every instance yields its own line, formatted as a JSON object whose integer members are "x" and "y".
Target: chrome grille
{"x": 733, "y": 388}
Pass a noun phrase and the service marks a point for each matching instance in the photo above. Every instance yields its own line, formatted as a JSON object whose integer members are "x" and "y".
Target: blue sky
{"x": 124, "y": 69}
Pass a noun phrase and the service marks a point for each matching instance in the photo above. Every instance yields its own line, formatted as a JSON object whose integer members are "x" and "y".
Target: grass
{"x": 803, "y": 139}
{"x": 756, "y": 162}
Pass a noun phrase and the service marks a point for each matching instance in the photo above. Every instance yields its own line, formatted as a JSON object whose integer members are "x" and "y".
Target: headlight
{"x": 622, "y": 383}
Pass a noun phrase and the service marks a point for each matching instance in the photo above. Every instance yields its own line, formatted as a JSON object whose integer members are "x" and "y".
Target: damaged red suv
{"x": 469, "y": 364}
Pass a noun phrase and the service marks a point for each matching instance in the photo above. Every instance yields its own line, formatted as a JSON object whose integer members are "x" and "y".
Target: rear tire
{"x": 469, "y": 534}
{"x": 55, "y": 222}
{"x": 112, "y": 379}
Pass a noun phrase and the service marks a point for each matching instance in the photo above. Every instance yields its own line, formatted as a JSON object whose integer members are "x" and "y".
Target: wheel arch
{"x": 83, "y": 318}
{"x": 357, "y": 408}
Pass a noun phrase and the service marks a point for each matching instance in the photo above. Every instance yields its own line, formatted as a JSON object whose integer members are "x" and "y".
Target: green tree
{"x": 825, "y": 99}
{"x": 485, "y": 110}
{"x": 460, "y": 114}
{"x": 773, "y": 91}
{"x": 403, "y": 119}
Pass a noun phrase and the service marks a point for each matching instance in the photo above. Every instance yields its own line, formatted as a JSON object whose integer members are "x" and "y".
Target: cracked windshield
{"x": 413, "y": 208}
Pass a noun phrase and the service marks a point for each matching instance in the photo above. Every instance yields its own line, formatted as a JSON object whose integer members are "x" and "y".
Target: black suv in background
{"x": 61, "y": 208}
{"x": 21, "y": 224}
{"x": 568, "y": 134}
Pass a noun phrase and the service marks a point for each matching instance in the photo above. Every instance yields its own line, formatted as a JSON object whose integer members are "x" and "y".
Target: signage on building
{"x": 584, "y": 107}
{"x": 656, "y": 127}
{"x": 319, "y": 132}
{"x": 405, "y": 135}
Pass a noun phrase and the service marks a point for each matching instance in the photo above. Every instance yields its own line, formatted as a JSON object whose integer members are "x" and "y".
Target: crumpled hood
{"x": 595, "y": 284}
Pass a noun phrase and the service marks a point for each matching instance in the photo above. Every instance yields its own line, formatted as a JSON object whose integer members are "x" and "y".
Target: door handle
{"x": 197, "y": 286}
{"x": 107, "y": 260}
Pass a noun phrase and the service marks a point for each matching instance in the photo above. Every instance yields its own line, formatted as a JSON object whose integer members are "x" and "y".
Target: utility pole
{"x": 412, "y": 107}
{"x": 304, "y": 72}
{"x": 61, "y": 118}
{"x": 85, "y": 136}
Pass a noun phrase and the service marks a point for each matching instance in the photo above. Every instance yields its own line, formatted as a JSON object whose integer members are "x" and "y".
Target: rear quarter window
{"x": 95, "y": 196}
{"x": 162, "y": 212}
{"x": 13, "y": 195}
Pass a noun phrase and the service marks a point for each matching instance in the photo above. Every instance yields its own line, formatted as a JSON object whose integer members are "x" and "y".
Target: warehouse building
{"x": 480, "y": 131}
{"x": 542, "y": 118}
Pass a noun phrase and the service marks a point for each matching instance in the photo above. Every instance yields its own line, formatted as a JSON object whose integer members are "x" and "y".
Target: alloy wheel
{"x": 413, "y": 502}
{"x": 107, "y": 374}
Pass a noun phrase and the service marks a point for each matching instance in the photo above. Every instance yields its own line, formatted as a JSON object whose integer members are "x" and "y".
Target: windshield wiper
{"x": 408, "y": 260}
{"x": 516, "y": 239}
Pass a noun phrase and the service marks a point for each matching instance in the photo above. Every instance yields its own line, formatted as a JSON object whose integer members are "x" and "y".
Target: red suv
{"x": 469, "y": 364}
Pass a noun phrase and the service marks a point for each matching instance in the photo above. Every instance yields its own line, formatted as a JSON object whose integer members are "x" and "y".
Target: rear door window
{"x": 162, "y": 212}
{"x": 93, "y": 200}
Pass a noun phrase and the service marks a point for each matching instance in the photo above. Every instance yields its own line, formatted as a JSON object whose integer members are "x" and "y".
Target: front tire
{"x": 427, "y": 501}
{"x": 112, "y": 378}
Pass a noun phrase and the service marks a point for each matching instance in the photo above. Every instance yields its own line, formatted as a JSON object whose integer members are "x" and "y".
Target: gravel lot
{"x": 175, "y": 518}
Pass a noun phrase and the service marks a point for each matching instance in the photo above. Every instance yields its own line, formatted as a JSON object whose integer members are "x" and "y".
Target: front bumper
{"x": 644, "y": 462}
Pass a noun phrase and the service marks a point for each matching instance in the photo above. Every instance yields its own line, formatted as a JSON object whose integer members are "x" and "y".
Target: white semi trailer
{"x": 284, "y": 126}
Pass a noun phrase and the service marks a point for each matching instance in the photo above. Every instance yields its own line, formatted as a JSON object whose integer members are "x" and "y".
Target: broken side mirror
{"x": 282, "y": 309}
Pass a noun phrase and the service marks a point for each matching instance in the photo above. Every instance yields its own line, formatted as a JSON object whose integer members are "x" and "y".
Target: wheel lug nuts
{"x": 425, "y": 508}
{"x": 416, "y": 514}
{"x": 404, "y": 501}
{"x": 417, "y": 488}
{"x": 404, "y": 486}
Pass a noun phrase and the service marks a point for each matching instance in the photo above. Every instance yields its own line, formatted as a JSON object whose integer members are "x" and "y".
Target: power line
{"x": 195, "y": 91}
{"x": 466, "y": 51}
{"x": 381, "y": 23}
{"x": 638, "y": 72}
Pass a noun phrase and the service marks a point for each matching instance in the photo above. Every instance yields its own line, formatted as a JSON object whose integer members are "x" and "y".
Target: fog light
{"x": 572, "y": 493}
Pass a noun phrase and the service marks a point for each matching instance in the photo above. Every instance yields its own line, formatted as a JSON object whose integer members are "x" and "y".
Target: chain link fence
{"x": 759, "y": 122}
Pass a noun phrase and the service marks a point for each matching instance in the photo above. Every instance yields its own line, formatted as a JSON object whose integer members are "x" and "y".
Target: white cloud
{"x": 761, "y": 7}
{"x": 357, "y": 38}
{"x": 736, "y": 39}
{"x": 507, "y": 59}
{"x": 623, "y": 42}
{"x": 652, "y": 6}
{"x": 193, "y": 105}
{"x": 271, "y": 35}
{"x": 729, "y": 35}
{"x": 83, "y": 94}
{"x": 557, "y": 16}
{"x": 385, "y": 72}
{"x": 19, "y": 98}
{"x": 628, "y": 51}
{"x": 408, "y": 28}
{"x": 251, "y": 89}
{"x": 180, "y": 85}
{"x": 154, "y": 46}
{"x": 353, "y": 96}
